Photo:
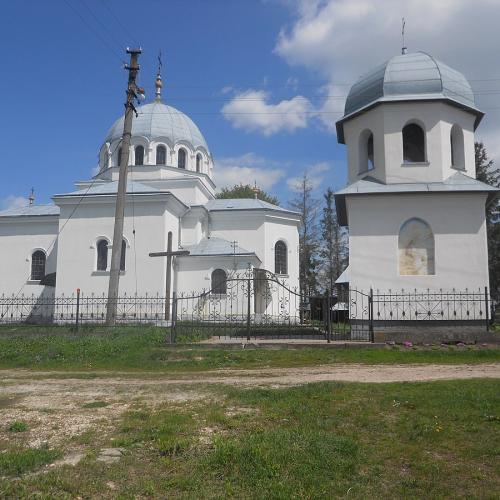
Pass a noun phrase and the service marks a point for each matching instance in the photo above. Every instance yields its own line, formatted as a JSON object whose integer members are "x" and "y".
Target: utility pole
{"x": 114, "y": 275}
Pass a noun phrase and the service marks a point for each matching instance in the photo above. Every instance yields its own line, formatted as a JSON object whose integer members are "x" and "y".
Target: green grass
{"x": 327, "y": 440}
{"x": 18, "y": 426}
{"x": 95, "y": 404}
{"x": 145, "y": 349}
{"x": 19, "y": 461}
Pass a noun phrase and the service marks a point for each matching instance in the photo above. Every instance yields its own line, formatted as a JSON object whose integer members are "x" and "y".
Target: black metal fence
{"x": 258, "y": 305}
{"x": 80, "y": 309}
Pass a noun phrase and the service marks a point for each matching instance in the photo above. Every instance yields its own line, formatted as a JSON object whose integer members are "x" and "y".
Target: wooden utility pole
{"x": 114, "y": 275}
{"x": 168, "y": 280}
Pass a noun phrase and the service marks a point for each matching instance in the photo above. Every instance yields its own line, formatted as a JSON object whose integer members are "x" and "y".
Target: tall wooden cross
{"x": 169, "y": 254}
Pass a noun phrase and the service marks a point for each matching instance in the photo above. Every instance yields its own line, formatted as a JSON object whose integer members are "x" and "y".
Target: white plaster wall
{"x": 193, "y": 225}
{"x": 372, "y": 120}
{"x": 386, "y": 122}
{"x": 20, "y": 237}
{"x": 277, "y": 228}
{"x": 245, "y": 227}
{"x": 459, "y": 228}
{"x": 77, "y": 265}
{"x": 193, "y": 274}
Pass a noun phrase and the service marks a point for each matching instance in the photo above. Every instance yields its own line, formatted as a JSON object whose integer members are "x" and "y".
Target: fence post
{"x": 248, "y": 308}
{"x": 173, "y": 320}
{"x": 487, "y": 307}
{"x": 370, "y": 315}
{"x": 77, "y": 308}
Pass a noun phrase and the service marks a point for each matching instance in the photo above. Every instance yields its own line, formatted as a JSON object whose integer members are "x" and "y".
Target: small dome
{"x": 159, "y": 120}
{"x": 410, "y": 77}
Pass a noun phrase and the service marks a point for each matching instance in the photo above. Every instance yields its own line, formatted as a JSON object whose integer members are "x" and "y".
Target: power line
{"x": 117, "y": 20}
{"x": 100, "y": 23}
{"x": 94, "y": 31}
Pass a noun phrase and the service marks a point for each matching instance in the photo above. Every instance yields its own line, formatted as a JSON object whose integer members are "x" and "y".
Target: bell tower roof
{"x": 409, "y": 77}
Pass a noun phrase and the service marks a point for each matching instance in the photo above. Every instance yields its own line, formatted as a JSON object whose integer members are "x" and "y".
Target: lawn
{"x": 327, "y": 440}
{"x": 144, "y": 348}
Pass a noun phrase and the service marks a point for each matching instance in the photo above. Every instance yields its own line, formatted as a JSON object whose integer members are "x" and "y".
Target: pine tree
{"x": 485, "y": 172}
{"x": 333, "y": 250}
{"x": 307, "y": 206}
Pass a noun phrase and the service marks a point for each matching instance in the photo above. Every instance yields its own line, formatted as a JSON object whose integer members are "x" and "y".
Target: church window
{"x": 416, "y": 248}
{"x": 38, "y": 259}
{"x": 161, "y": 155}
{"x": 139, "y": 155}
{"x": 219, "y": 282}
{"x": 369, "y": 152}
{"x": 198, "y": 163}
{"x": 102, "y": 255}
{"x": 119, "y": 159}
{"x": 122, "y": 257}
{"x": 181, "y": 158}
{"x": 366, "y": 152}
{"x": 280, "y": 258}
{"x": 457, "y": 147}
{"x": 413, "y": 144}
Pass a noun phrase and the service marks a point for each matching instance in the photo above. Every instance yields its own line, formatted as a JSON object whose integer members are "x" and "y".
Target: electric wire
{"x": 122, "y": 26}
{"x": 100, "y": 23}
{"x": 94, "y": 31}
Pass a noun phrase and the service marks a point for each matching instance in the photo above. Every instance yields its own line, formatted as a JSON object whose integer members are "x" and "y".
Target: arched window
{"x": 457, "y": 147}
{"x": 139, "y": 155}
{"x": 369, "y": 152}
{"x": 219, "y": 282}
{"x": 161, "y": 155}
{"x": 198, "y": 162}
{"x": 280, "y": 258}
{"x": 38, "y": 259}
{"x": 413, "y": 144}
{"x": 119, "y": 157}
{"x": 366, "y": 152}
{"x": 102, "y": 255}
{"x": 181, "y": 158}
{"x": 122, "y": 257}
{"x": 416, "y": 248}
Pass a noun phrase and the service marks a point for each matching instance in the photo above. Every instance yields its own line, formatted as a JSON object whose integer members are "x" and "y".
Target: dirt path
{"x": 25, "y": 380}
{"x": 57, "y": 405}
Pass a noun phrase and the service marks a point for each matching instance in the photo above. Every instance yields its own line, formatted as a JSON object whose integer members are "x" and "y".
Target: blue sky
{"x": 63, "y": 85}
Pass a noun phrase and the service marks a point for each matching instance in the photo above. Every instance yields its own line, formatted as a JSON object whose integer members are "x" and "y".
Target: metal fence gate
{"x": 257, "y": 305}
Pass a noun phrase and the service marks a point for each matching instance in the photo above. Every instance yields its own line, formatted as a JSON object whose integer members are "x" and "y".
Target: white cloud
{"x": 251, "y": 111}
{"x": 246, "y": 169}
{"x": 314, "y": 174}
{"x": 13, "y": 201}
{"x": 342, "y": 39}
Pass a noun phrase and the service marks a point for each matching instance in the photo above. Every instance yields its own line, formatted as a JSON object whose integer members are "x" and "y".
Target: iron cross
{"x": 169, "y": 254}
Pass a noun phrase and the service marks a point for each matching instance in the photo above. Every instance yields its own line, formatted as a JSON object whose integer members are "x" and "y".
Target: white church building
{"x": 413, "y": 206}
{"x": 58, "y": 248}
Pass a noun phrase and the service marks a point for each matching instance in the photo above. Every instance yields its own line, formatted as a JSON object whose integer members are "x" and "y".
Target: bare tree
{"x": 333, "y": 249}
{"x": 307, "y": 206}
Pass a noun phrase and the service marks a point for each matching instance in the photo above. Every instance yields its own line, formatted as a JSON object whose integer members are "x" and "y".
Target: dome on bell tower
{"x": 409, "y": 77}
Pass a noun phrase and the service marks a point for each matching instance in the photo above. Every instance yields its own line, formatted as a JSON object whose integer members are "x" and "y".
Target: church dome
{"x": 157, "y": 120}
{"x": 410, "y": 77}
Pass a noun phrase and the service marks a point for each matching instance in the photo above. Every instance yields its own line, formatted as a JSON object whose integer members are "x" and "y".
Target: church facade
{"x": 414, "y": 208}
{"x": 59, "y": 248}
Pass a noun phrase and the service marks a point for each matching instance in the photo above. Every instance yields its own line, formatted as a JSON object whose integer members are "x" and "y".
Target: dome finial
{"x": 255, "y": 190}
{"x": 403, "y": 48}
{"x": 158, "y": 82}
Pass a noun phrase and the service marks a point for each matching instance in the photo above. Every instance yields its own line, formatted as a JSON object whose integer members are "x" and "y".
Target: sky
{"x": 264, "y": 80}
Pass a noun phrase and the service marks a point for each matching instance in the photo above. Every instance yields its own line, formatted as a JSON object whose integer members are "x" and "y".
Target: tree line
{"x": 323, "y": 244}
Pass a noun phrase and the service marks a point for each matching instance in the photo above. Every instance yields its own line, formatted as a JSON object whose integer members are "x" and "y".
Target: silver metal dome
{"x": 159, "y": 120}
{"x": 409, "y": 77}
